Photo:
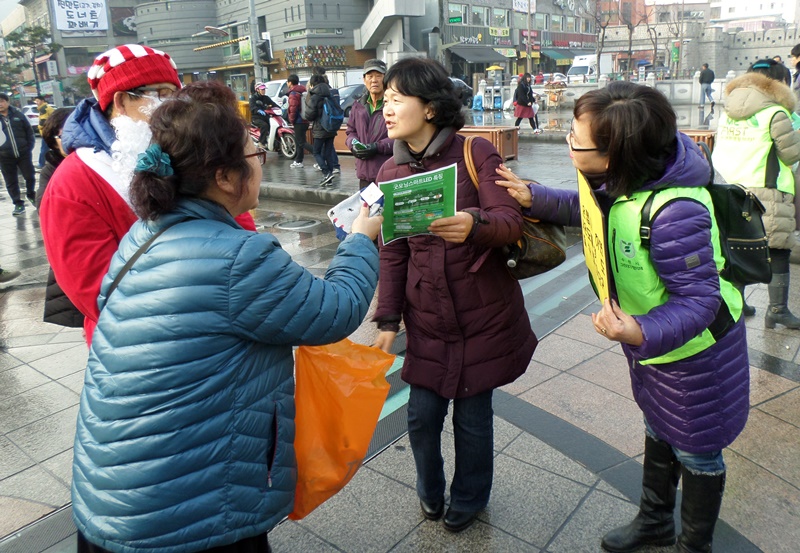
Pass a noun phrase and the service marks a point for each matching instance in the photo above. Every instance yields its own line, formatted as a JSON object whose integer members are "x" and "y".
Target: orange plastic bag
{"x": 340, "y": 391}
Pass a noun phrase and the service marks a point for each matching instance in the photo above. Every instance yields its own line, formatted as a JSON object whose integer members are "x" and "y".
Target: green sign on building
{"x": 455, "y": 19}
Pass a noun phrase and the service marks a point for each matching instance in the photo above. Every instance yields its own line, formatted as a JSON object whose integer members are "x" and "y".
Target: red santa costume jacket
{"x": 83, "y": 218}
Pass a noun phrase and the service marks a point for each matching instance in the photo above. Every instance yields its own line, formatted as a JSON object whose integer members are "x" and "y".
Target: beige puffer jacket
{"x": 747, "y": 95}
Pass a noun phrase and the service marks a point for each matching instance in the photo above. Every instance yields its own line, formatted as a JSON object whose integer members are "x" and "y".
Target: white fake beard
{"x": 133, "y": 138}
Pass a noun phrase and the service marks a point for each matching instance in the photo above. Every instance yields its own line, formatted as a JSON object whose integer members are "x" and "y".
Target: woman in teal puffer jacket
{"x": 186, "y": 426}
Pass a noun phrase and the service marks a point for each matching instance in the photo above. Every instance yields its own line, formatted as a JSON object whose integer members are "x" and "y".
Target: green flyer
{"x": 413, "y": 202}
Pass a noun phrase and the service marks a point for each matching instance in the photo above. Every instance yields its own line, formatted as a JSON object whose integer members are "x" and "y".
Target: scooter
{"x": 281, "y": 135}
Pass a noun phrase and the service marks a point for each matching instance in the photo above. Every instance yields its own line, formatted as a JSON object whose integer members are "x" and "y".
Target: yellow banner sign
{"x": 499, "y": 31}
{"x": 595, "y": 250}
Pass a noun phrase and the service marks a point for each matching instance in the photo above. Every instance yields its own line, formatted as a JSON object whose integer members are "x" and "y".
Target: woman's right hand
{"x": 517, "y": 188}
{"x": 364, "y": 224}
{"x": 385, "y": 340}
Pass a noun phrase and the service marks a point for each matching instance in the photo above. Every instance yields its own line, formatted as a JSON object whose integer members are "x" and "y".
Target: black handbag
{"x": 738, "y": 213}
{"x": 542, "y": 246}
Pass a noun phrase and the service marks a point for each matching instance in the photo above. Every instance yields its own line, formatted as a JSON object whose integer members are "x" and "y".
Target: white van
{"x": 584, "y": 68}
{"x": 279, "y": 90}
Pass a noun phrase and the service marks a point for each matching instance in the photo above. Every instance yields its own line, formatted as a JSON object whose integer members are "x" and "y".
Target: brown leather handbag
{"x": 542, "y": 246}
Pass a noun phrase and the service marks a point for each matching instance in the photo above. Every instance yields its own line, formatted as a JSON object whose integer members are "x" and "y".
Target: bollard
{"x": 650, "y": 80}
{"x": 602, "y": 81}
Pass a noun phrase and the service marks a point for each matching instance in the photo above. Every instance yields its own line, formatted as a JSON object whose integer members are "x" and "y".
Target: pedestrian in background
{"x": 525, "y": 103}
{"x": 679, "y": 323}
{"x": 16, "y": 147}
{"x": 261, "y": 107}
{"x": 794, "y": 60}
{"x": 706, "y": 79}
{"x": 296, "y": 91}
{"x": 756, "y": 147}
{"x": 367, "y": 136}
{"x": 44, "y": 110}
{"x": 466, "y": 326}
{"x": 787, "y": 78}
{"x": 318, "y": 91}
{"x": 187, "y": 444}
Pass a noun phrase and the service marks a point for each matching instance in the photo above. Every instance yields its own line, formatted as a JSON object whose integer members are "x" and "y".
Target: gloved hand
{"x": 261, "y": 112}
{"x": 371, "y": 150}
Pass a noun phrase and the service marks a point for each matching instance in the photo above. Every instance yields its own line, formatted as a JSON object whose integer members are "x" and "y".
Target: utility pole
{"x": 528, "y": 38}
{"x": 257, "y": 74}
{"x": 680, "y": 38}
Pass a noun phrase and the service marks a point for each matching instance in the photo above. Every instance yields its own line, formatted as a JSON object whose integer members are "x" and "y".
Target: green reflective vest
{"x": 742, "y": 151}
{"x": 639, "y": 288}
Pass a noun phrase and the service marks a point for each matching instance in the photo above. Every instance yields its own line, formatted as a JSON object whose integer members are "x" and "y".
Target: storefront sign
{"x": 76, "y": 15}
{"x": 499, "y": 31}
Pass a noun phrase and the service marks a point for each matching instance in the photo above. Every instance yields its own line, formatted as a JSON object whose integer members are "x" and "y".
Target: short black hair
{"x": 53, "y": 125}
{"x": 316, "y": 79}
{"x": 635, "y": 127}
{"x": 293, "y": 80}
{"x": 795, "y": 51}
{"x": 427, "y": 80}
{"x": 770, "y": 68}
{"x": 40, "y": 98}
{"x": 3, "y": 96}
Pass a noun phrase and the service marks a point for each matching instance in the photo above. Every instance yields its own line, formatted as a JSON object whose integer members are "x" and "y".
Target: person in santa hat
{"x": 85, "y": 210}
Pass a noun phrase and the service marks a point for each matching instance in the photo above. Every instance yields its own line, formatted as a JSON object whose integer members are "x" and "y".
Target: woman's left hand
{"x": 517, "y": 188}
{"x": 453, "y": 229}
{"x": 616, "y": 325}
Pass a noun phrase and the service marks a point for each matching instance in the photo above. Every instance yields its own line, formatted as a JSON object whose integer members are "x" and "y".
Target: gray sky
{"x": 6, "y": 7}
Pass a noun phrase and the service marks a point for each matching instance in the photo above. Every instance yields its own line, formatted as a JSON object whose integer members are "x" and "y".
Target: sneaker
{"x": 8, "y": 276}
{"x": 336, "y": 171}
{"x": 712, "y": 105}
{"x": 317, "y": 167}
{"x": 32, "y": 201}
{"x": 295, "y": 165}
{"x": 18, "y": 210}
{"x": 326, "y": 180}
{"x": 538, "y": 131}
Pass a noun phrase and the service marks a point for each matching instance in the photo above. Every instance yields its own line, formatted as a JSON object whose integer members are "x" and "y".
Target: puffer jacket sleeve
{"x": 500, "y": 212}
{"x": 681, "y": 230}
{"x": 554, "y": 205}
{"x": 276, "y": 301}
{"x": 786, "y": 139}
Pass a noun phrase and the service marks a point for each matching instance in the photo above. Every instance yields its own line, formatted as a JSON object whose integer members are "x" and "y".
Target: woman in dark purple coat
{"x": 466, "y": 325}
{"x": 679, "y": 323}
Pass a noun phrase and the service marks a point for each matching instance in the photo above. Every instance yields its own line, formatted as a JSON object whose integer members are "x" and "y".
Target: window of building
{"x": 556, "y": 24}
{"x": 480, "y": 16}
{"x": 324, "y": 11}
{"x": 286, "y": 15}
{"x": 310, "y": 12}
{"x": 458, "y": 10}
{"x": 500, "y": 18}
{"x": 291, "y": 9}
{"x": 542, "y": 21}
{"x": 338, "y": 11}
{"x": 570, "y": 25}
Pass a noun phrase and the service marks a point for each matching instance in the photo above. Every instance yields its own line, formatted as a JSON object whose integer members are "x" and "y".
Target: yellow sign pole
{"x": 595, "y": 249}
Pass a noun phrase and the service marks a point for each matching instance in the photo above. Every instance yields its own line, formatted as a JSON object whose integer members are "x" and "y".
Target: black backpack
{"x": 738, "y": 213}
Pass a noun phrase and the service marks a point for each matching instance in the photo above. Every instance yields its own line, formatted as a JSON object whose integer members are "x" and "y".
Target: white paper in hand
{"x": 343, "y": 214}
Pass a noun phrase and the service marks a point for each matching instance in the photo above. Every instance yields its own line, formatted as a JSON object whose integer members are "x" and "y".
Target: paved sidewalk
{"x": 568, "y": 436}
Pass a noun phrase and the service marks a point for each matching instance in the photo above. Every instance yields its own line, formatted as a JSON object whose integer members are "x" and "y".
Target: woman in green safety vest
{"x": 678, "y": 322}
{"x": 756, "y": 146}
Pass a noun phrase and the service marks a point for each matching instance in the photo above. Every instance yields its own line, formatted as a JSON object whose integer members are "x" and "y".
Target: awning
{"x": 561, "y": 57}
{"x": 40, "y": 59}
{"x": 223, "y": 43}
{"x": 226, "y": 67}
{"x": 478, "y": 54}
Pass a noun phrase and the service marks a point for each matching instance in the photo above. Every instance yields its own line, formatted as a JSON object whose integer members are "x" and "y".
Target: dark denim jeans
{"x": 324, "y": 154}
{"x": 10, "y": 167}
{"x": 473, "y": 427}
{"x": 710, "y": 463}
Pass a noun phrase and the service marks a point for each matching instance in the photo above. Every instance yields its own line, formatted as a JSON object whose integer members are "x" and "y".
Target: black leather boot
{"x": 654, "y": 525}
{"x": 778, "y": 311}
{"x": 702, "y": 498}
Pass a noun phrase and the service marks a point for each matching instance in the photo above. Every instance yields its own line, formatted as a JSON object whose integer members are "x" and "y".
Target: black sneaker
{"x": 18, "y": 210}
{"x": 326, "y": 180}
{"x": 32, "y": 201}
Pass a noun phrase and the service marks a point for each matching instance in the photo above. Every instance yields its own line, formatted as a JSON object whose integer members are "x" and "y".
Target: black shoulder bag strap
{"x": 132, "y": 260}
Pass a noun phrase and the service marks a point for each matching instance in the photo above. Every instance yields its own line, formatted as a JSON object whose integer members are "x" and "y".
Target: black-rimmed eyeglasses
{"x": 157, "y": 93}
{"x": 570, "y": 137}
{"x": 260, "y": 155}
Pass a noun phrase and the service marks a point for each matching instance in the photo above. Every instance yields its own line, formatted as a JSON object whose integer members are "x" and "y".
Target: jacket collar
{"x": 87, "y": 127}
{"x": 402, "y": 154}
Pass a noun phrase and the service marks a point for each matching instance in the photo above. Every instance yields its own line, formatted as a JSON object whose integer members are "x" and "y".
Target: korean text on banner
{"x": 595, "y": 250}
{"x": 413, "y": 202}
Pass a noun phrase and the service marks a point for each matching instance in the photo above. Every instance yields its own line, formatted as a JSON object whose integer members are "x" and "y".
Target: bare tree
{"x": 602, "y": 19}
{"x": 630, "y": 20}
{"x": 652, "y": 33}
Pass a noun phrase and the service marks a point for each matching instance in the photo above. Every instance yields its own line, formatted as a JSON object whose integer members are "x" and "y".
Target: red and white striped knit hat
{"x": 127, "y": 67}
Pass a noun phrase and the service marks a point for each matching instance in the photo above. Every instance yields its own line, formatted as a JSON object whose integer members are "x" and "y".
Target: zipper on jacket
{"x": 614, "y": 250}
{"x": 10, "y": 132}
{"x": 271, "y": 455}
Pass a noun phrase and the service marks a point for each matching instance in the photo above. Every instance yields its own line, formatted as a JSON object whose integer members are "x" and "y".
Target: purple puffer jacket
{"x": 467, "y": 328}
{"x": 699, "y": 404}
{"x": 367, "y": 129}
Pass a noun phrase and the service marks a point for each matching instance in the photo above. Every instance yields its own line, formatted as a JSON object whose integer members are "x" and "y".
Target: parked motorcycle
{"x": 281, "y": 135}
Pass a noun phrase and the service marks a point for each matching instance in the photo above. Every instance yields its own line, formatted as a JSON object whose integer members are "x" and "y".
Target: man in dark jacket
{"x": 706, "y": 78}
{"x": 296, "y": 91}
{"x": 318, "y": 91}
{"x": 367, "y": 136}
{"x": 261, "y": 111}
{"x": 16, "y": 145}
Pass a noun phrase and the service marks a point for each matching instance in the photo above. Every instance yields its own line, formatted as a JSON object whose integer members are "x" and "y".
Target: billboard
{"x": 80, "y": 15}
{"x": 123, "y": 21}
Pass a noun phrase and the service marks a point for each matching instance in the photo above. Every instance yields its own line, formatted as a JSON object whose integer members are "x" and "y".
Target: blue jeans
{"x": 705, "y": 90}
{"x": 324, "y": 154}
{"x": 710, "y": 463}
{"x": 44, "y": 149}
{"x": 473, "y": 428}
